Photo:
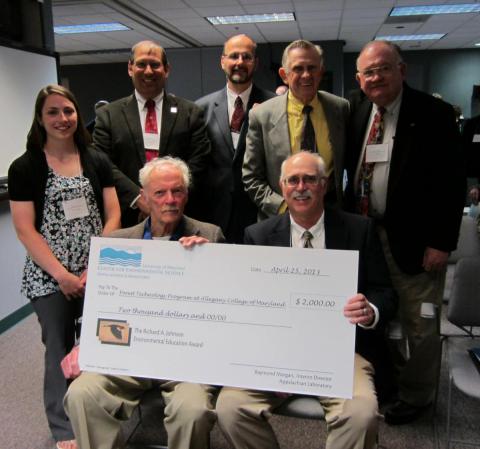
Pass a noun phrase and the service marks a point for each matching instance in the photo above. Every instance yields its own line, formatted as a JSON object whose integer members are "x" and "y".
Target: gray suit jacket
{"x": 191, "y": 227}
{"x": 268, "y": 145}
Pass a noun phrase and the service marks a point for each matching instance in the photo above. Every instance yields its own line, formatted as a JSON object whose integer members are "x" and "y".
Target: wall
{"x": 194, "y": 72}
{"x": 13, "y": 258}
{"x": 452, "y": 73}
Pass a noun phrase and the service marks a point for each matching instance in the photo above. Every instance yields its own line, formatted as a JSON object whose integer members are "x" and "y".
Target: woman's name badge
{"x": 76, "y": 208}
{"x": 377, "y": 153}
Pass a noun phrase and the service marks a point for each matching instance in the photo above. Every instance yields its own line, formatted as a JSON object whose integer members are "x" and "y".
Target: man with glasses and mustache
{"x": 406, "y": 171}
{"x": 150, "y": 123}
{"x": 303, "y": 119}
{"x": 226, "y": 115}
{"x": 352, "y": 423}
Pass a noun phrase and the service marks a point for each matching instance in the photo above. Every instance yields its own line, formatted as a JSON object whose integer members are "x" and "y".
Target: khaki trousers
{"x": 96, "y": 404}
{"x": 351, "y": 423}
{"x": 416, "y": 354}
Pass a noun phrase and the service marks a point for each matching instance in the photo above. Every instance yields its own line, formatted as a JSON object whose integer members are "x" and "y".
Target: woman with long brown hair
{"x": 61, "y": 194}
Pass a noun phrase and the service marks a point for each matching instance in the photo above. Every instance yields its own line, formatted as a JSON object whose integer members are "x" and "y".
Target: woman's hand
{"x": 71, "y": 286}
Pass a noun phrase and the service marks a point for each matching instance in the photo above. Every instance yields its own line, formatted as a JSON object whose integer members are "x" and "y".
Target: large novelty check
{"x": 256, "y": 317}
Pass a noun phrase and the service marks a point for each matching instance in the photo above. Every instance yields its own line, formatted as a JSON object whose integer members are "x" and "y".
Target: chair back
{"x": 464, "y": 303}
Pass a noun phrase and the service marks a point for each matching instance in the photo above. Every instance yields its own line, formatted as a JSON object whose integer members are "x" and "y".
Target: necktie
{"x": 375, "y": 136}
{"x": 151, "y": 127}
{"x": 238, "y": 116}
{"x": 307, "y": 239}
{"x": 151, "y": 120}
{"x": 308, "y": 142}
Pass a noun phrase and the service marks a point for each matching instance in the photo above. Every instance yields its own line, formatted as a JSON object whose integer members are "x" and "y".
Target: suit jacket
{"x": 189, "y": 227}
{"x": 426, "y": 184}
{"x": 471, "y": 148}
{"x": 118, "y": 132}
{"x": 226, "y": 193}
{"x": 268, "y": 145}
{"x": 346, "y": 231}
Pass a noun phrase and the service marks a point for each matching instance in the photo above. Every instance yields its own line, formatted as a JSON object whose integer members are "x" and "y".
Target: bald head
{"x": 381, "y": 72}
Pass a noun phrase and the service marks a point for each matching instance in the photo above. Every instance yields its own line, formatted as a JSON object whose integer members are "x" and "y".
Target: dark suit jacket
{"x": 346, "y": 231}
{"x": 426, "y": 185}
{"x": 472, "y": 149}
{"x": 118, "y": 132}
{"x": 230, "y": 207}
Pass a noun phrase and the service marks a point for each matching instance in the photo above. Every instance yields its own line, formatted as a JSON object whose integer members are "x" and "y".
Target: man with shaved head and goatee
{"x": 148, "y": 124}
{"x": 226, "y": 114}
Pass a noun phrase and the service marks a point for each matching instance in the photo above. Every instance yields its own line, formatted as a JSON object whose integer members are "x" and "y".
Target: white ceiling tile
{"x": 220, "y": 10}
{"x": 323, "y": 5}
{"x": 161, "y": 4}
{"x": 209, "y": 3}
{"x": 263, "y": 8}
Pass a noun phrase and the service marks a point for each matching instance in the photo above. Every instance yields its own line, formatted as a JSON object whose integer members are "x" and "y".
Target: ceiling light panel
{"x": 435, "y": 9}
{"x": 90, "y": 28}
{"x": 252, "y": 18}
{"x": 410, "y": 37}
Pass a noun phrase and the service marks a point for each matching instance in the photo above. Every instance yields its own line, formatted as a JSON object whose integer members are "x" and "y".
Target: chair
{"x": 463, "y": 312}
{"x": 303, "y": 407}
{"x": 468, "y": 246}
{"x": 296, "y": 406}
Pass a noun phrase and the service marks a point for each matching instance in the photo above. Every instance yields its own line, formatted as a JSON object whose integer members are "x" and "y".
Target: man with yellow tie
{"x": 303, "y": 119}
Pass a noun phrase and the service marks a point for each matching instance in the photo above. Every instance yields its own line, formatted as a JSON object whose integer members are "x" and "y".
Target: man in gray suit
{"x": 147, "y": 124}
{"x": 96, "y": 403}
{"x": 303, "y": 119}
{"x": 226, "y": 115}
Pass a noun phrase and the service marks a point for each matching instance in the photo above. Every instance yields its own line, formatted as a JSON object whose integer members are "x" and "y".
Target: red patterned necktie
{"x": 238, "y": 116}
{"x": 375, "y": 136}
{"x": 151, "y": 127}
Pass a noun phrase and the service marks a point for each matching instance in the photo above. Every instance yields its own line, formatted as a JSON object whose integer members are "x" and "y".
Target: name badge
{"x": 151, "y": 141}
{"x": 377, "y": 153}
{"x": 476, "y": 138}
{"x": 76, "y": 208}
{"x": 173, "y": 109}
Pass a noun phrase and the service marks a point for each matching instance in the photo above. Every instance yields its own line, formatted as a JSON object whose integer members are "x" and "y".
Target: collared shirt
{"x": 142, "y": 109}
{"x": 177, "y": 233}
{"x": 381, "y": 170}
{"x": 318, "y": 242}
{"x": 319, "y": 122}
{"x": 317, "y": 230}
{"x": 231, "y": 97}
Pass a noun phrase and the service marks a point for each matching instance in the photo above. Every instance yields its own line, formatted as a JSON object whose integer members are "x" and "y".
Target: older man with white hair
{"x": 97, "y": 403}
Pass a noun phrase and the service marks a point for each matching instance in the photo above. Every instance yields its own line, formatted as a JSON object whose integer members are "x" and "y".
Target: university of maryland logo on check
{"x": 114, "y": 332}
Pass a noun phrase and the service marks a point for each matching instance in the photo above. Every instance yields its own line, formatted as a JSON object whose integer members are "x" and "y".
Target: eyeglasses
{"x": 294, "y": 180}
{"x": 141, "y": 65}
{"x": 235, "y": 56}
{"x": 383, "y": 70}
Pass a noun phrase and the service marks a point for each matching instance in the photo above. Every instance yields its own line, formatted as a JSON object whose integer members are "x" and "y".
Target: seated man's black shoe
{"x": 402, "y": 413}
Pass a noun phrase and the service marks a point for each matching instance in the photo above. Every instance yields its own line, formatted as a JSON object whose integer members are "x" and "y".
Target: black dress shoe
{"x": 402, "y": 413}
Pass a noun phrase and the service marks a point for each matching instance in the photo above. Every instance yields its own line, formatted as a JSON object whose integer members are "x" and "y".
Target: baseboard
{"x": 15, "y": 317}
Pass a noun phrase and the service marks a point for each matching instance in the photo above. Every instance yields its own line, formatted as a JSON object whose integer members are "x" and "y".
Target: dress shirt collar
{"x": 296, "y": 106}
{"x": 232, "y": 96}
{"x": 141, "y": 100}
{"x": 392, "y": 108}
{"x": 177, "y": 234}
{"x": 317, "y": 230}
